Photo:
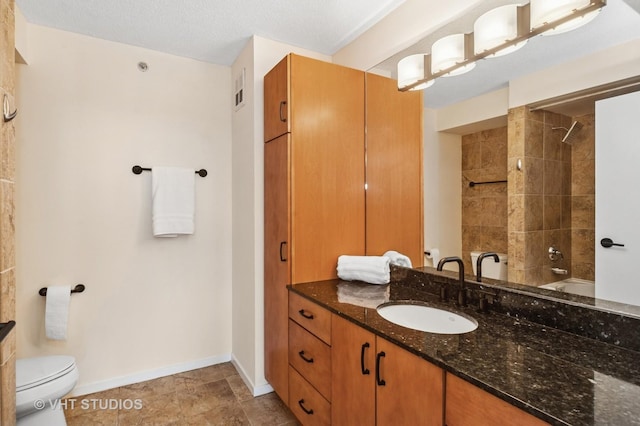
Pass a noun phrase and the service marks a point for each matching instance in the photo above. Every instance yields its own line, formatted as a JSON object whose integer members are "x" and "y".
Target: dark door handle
{"x": 380, "y": 381}
{"x": 301, "y": 404}
{"x": 283, "y": 244}
{"x": 364, "y": 370}
{"x": 608, "y": 242}
{"x": 283, "y": 119}
{"x": 309, "y": 360}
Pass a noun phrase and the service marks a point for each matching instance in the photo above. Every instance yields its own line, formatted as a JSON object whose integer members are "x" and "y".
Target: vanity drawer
{"x": 311, "y": 316}
{"x": 306, "y": 403}
{"x": 311, "y": 357}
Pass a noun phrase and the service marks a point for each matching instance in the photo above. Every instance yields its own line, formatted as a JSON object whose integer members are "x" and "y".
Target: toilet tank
{"x": 490, "y": 269}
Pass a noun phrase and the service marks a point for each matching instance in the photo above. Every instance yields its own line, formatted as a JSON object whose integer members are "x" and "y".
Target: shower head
{"x": 571, "y": 131}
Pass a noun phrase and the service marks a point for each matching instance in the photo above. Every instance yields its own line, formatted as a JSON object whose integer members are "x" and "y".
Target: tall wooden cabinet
{"x": 375, "y": 382}
{"x": 314, "y": 180}
{"x": 394, "y": 207}
{"x": 316, "y": 204}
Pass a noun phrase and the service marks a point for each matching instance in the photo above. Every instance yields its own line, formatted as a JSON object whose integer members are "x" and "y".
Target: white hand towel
{"x": 173, "y": 195}
{"x": 398, "y": 259}
{"x": 57, "y": 311}
{"x": 370, "y": 269}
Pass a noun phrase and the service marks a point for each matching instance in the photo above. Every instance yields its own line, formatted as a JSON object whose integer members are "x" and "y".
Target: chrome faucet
{"x": 479, "y": 263}
{"x": 462, "y": 294}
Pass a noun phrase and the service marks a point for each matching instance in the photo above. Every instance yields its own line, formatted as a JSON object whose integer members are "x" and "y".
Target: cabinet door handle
{"x": 282, "y": 245}
{"x": 304, "y": 314}
{"x": 380, "y": 381}
{"x": 364, "y": 370}
{"x": 301, "y": 404}
{"x": 309, "y": 360}
{"x": 282, "y": 118}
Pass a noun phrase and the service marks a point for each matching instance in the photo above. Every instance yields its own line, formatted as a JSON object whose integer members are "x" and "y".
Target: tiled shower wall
{"x": 583, "y": 190}
{"x": 484, "y": 207}
{"x": 7, "y": 228}
{"x": 552, "y": 198}
{"x": 539, "y": 195}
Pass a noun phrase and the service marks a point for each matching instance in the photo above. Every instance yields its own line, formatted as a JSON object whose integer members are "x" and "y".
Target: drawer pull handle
{"x": 282, "y": 245}
{"x": 309, "y": 360}
{"x": 283, "y": 119}
{"x": 364, "y": 371}
{"x": 380, "y": 381}
{"x": 304, "y": 314}
{"x": 301, "y": 404}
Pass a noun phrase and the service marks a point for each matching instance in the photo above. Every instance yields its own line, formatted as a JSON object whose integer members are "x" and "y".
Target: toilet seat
{"x": 32, "y": 372}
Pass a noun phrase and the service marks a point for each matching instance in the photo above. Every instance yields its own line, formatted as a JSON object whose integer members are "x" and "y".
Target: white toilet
{"x": 490, "y": 269}
{"x": 40, "y": 383}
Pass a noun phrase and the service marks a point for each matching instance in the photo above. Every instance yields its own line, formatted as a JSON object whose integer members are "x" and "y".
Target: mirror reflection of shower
{"x": 569, "y": 137}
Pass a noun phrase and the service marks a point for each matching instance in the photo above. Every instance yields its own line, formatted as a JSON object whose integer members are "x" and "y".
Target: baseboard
{"x": 143, "y": 376}
{"x": 255, "y": 390}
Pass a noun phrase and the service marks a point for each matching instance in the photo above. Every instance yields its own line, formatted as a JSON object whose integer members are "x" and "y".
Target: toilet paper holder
{"x": 79, "y": 288}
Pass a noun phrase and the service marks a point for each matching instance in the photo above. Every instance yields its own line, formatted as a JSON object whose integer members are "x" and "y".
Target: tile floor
{"x": 213, "y": 395}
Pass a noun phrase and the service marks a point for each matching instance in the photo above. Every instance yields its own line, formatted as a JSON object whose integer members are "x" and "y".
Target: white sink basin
{"x": 425, "y": 318}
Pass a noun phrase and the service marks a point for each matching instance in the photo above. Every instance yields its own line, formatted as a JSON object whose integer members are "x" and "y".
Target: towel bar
{"x": 77, "y": 289}
{"x": 137, "y": 170}
{"x": 472, "y": 184}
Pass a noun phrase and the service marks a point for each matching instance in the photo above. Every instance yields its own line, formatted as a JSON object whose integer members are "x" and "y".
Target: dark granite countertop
{"x": 560, "y": 377}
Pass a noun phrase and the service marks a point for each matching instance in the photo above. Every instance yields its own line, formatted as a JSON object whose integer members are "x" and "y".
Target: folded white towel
{"x": 173, "y": 195}
{"x": 370, "y": 269}
{"x": 56, "y": 312}
{"x": 398, "y": 259}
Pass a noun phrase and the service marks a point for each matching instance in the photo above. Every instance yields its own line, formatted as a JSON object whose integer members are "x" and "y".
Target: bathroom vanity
{"x": 510, "y": 370}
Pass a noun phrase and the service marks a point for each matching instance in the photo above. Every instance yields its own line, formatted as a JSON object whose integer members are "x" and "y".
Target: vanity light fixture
{"x": 452, "y": 55}
{"x": 411, "y": 69}
{"x": 457, "y": 53}
{"x": 499, "y": 26}
{"x": 545, "y": 11}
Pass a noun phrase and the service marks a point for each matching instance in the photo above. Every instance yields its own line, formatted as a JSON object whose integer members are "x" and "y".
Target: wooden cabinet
{"x": 377, "y": 382}
{"x": 276, "y": 101}
{"x": 314, "y": 180}
{"x": 277, "y": 273}
{"x": 310, "y": 363}
{"x": 353, "y": 374}
{"x": 394, "y": 207}
{"x": 470, "y": 405}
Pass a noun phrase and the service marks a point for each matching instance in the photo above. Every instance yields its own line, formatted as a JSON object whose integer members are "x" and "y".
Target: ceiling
{"x": 618, "y": 22}
{"x": 213, "y": 31}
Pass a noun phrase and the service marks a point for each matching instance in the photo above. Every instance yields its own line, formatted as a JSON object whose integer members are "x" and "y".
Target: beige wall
{"x": 258, "y": 57}
{"x": 442, "y": 183}
{"x": 87, "y": 115}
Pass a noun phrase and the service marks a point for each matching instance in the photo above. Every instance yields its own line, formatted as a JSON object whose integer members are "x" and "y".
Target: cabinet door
{"x": 352, "y": 377}
{"x": 276, "y": 265}
{"x": 327, "y": 152}
{"x": 470, "y": 405}
{"x": 394, "y": 169}
{"x": 276, "y": 101}
{"x": 413, "y": 390}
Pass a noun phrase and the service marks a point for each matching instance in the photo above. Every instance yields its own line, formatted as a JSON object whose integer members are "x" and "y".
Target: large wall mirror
{"x": 520, "y": 158}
